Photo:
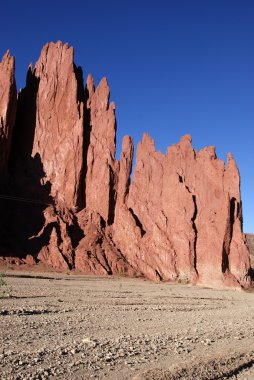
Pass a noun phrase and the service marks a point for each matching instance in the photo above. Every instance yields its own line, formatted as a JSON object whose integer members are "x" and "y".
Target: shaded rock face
{"x": 178, "y": 219}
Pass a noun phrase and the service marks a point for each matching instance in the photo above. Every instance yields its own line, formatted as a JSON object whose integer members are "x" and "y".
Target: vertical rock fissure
{"x": 138, "y": 223}
{"x": 193, "y": 219}
{"x": 107, "y": 268}
{"x": 112, "y": 197}
{"x": 59, "y": 246}
{"x": 128, "y": 182}
{"x": 82, "y": 97}
{"x": 233, "y": 209}
{"x": 233, "y": 212}
{"x": 225, "y": 261}
{"x": 158, "y": 274}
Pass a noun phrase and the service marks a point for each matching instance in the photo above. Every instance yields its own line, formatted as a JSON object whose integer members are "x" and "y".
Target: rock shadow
{"x": 28, "y": 192}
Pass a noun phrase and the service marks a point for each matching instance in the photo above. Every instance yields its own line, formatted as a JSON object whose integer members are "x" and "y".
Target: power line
{"x": 24, "y": 200}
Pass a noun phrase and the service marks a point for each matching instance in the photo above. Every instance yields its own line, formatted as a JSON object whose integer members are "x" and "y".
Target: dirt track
{"x": 68, "y": 327}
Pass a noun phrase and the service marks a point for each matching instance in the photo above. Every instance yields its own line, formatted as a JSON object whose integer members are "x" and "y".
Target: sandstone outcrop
{"x": 102, "y": 168}
{"x": 179, "y": 218}
{"x": 177, "y": 201}
{"x": 51, "y": 121}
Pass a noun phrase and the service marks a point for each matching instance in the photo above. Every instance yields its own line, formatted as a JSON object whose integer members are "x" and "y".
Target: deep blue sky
{"x": 174, "y": 67}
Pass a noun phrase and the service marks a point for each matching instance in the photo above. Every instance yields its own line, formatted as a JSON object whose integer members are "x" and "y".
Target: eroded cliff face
{"x": 102, "y": 167}
{"x": 178, "y": 219}
{"x": 182, "y": 217}
{"x": 50, "y": 121}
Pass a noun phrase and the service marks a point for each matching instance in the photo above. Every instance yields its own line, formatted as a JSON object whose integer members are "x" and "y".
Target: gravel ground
{"x": 73, "y": 327}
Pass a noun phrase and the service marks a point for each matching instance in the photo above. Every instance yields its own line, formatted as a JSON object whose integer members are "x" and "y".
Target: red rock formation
{"x": 179, "y": 219}
{"x": 59, "y": 124}
{"x": 50, "y": 121}
{"x": 160, "y": 211}
{"x": 182, "y": 217}
{"x": 57, "y": 250}
{"x": 102, "y": 168}
{"x": 96, "y": 252}
{"x": 8, "y": 103}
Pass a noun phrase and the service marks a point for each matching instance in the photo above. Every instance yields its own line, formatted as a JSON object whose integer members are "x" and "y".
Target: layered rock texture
{"x": 69, "y": 203}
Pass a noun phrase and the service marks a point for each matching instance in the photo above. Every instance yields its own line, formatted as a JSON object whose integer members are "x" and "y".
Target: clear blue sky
{"x": 174, "y": 66}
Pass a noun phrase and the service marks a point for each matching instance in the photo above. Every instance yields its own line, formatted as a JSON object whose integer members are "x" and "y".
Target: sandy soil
{"x": 73, "y": 327}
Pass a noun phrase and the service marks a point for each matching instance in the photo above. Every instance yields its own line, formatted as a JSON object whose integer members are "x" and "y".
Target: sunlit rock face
{"x": 8, "y": 104}
{"x": 178, "y": 219}
{"x": 58, "y": 123}
{"x": 182, "y": 216}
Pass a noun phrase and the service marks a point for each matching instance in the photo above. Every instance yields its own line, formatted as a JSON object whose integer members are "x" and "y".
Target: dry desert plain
{"x": 80, "y": 327}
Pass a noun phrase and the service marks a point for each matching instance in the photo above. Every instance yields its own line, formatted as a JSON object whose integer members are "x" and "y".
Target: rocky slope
{"x": 69, "y": 203}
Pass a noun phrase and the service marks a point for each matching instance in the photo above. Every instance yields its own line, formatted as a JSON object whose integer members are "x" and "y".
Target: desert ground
{"x": 79, "y": 327}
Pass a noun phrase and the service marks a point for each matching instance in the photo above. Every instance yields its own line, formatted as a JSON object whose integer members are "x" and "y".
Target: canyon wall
{"x": 69, "y": 203}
